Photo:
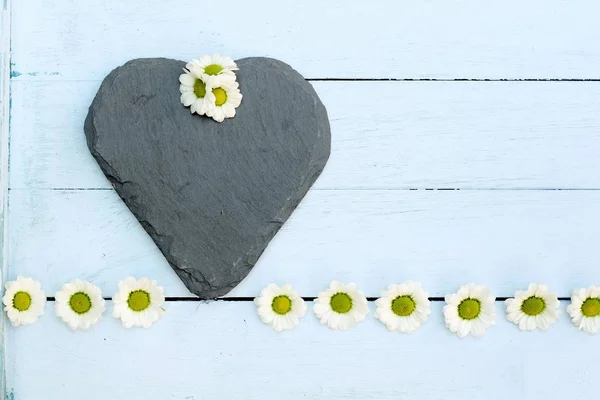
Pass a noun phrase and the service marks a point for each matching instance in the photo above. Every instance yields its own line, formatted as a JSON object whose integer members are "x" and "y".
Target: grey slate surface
{"x": 211, "y": 195}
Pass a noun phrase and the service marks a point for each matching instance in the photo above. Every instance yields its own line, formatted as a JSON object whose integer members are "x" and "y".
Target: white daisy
{"x": 403, "y": 307}
{"x": 80, "y": 304}
{"x": 470, "y": 310}
{"x": 534, "y": 308}
{"x": 227, "y": 98}
{"x": 280, "y": 307}
{"x": 195, "y": 93}
{"x": 138, "y": 302}
{"x": 215, "y": 70}
{"x": 585, "y": 309}
{"x": 24, "y": 301}
{"x": 341, "y": 306}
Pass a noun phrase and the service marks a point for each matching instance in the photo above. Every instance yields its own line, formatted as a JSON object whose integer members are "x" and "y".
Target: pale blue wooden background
{"x": 508, "y": 145}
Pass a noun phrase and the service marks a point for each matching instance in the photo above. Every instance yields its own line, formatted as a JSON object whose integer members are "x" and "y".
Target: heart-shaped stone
{"x": 211, "y": 195}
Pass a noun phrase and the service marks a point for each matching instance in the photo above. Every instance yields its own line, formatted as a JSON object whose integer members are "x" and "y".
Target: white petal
{"x": 333, "y": 320}
{"x": 541, "y": 322}
{"x": 464, "y": 328}
{"x": 218, "y": 114}
{"x": 529, "y": 323}
{"x": 188, "y": 98}
{"x": 187, "y": 79}
{"x": 478, "y": 328}
{"x": 228, "y": 110}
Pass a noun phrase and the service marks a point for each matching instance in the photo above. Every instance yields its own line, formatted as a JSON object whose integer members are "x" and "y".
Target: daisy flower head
{"x": 227, "y": 98}
{"x": 138, "y": 302}
{"x": 195, "y": 93}
{"x": 534, "y": 308}
{"x": 403, "y": 307}
{"x": 79, "y": 304}
{"x": 341, "y": 306}
{"x": 280, "y": 307}
{"x": 470, "y": 310}
{"x": 585, "y": 309}
{"x": 215, "y": 70}
{"x": 24, "y": 301}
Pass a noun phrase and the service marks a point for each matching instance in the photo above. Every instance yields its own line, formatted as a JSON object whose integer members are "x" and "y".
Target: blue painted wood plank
{"x": 222, "y": 351}
{"x": 72, "y": 39}
{"x": 504, "y": 239}
{"x": 474, "y": 135}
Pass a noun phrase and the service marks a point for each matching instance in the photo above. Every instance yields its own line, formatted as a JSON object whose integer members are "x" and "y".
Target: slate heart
{"x": 211, "y": 195}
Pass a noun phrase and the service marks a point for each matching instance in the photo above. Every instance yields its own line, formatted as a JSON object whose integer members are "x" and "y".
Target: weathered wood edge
{"x": 5, "y": 15}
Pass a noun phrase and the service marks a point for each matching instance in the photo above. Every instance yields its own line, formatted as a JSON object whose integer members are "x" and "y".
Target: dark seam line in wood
{"x": 16, "y": 80}
{"x": 65, "y": 189}
{"x": 360, "y": 189}
{"x": 461, "y": 189}
{"x": 247, "y": 299}
{"x": 451, "y": 80}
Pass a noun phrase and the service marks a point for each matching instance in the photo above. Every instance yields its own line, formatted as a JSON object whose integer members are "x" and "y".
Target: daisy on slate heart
{"x": 403, "y": 307}
{"x": 585, "y": 309}
{"x": 209, "y": 87}
{"x": 470, "y": 310}
{"x": 341, "y": 306}
{"x": 227, "y": 98}
{"x": 138, "y": 302}
{"x": 534, "y": 308}
{"x": 24, "y": 301}
{"x": 79, "y": 304}
{"x": 195, "y": 93}
{"x": 280, "y": 307}
{"x": 215, "y": 70}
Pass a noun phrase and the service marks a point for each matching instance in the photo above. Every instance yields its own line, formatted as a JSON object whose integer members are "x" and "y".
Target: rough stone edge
{"x": 320, "y": 157}
{"x": 115, "y": 179}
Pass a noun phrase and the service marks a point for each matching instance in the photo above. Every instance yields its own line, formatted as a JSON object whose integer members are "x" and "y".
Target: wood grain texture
{"x": 417, "y": 135}
{"x": 504, "y": 239}
{"x": 73, "y": 39}
{"x": 222, "y": 351}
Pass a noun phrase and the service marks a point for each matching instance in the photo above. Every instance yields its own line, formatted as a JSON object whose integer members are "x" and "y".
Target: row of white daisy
{"x": 80, "y": 303}
{"x": 404, "y": 307}
{"x": 209, "y": 87}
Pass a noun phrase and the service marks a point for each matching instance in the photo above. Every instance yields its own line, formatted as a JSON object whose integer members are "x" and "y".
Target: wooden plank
{"x": 335, "y": 39}
{"x": 427, "y": 135}
{"x": 221, "y": 350}
{"x": 504, "y": 239}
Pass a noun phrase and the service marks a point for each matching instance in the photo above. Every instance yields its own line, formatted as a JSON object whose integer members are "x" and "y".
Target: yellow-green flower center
{"x": 281, "y": 305}
{"x": 403, "y": 306}
{"x": 80, "y": 303}
{"x": 220, "y": 96}
{"x": 22, "y": 301}
{"x": 533, "y": 305}
{"x": 341, "y": 303}
{"x": 199, "y": 89}
{"x": 591, "y": 307}
{"x": 469, "y": 309}
{"x": 138, "y": 300}
{"x": 213, "y": 69}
